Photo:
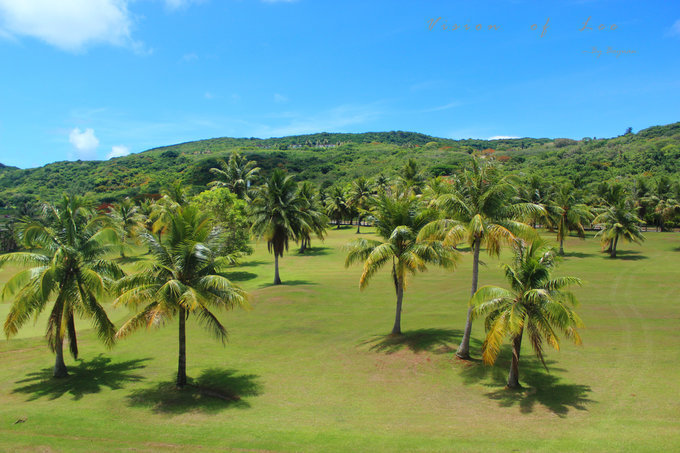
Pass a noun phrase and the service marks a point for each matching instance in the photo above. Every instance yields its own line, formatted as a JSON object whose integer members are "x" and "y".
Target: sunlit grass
{"x": 309, "y": 367}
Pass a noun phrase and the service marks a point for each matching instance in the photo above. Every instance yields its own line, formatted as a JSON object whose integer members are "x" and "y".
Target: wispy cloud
{"x": 336, "y": 119}
{"x": 450, "y": 105}
{"x": 70, "y": 25}
{"x": 280, "y": 98}
{"x": 208, "y": 95}
{"x": 501, "y": 137}
{"x": 675, "y": 29}
{"x": 189, "y": 57}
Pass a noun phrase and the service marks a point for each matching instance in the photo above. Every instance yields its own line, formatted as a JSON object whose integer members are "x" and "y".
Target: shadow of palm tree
{"x": 629, "y": 255}
{"x": 85, "y": 378}
{"x": 540, "y": 386}
{"x": 239, "y": 276}
{"x": 316, "y": 251}
{"x": 252, "y": 263}
{"x": 433, "y": 340}
{"x": 290, "y": 283}
{"x": 578, "y": 255}
{"x": 214, "y": 390}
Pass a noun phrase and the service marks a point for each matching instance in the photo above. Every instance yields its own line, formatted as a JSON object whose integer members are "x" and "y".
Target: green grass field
{"x": 309, "y": 368}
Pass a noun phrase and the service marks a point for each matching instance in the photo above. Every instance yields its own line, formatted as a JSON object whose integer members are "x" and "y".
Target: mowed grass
{"x": 309, "y": 368}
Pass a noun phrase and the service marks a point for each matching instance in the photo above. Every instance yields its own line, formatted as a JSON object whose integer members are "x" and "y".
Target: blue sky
{"x": 91, "y": 79}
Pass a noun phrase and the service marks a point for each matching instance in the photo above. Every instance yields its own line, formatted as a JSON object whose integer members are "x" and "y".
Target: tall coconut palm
{"x": 536, "y": 303}
{"x": 566, "y": 214}
{"x": 278, "y": 215}
{"x": 337, "y": 205}
{"x": 620, "y": 222}
{"x": 479, "y": 211}
{"x": 66, "y": 267}
{"x": 182, "y": 279}
{"x": 398, "y": 221}
{"x": 317, "y": 222}
{"x": 237, "y": 175}
{"x": 125, "y": 216}
{"x": 360, "y": 197}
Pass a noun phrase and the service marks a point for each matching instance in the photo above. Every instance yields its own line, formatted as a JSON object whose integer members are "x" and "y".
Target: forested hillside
{"x": 326, "y": 159}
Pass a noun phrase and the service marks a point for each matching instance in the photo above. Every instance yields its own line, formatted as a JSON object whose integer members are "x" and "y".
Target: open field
{"x": 309, "y": 368}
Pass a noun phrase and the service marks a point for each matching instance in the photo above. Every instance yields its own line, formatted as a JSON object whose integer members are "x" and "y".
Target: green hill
{"x": 327, "y": 158}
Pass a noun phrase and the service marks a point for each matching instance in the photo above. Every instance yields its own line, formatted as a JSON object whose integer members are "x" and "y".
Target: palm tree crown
{"x": 279, "y": 215}
{"x": 183, "y": 278}
{"x": 68, "y": 268}
{"x": 480, "y": 211}
{"x": 536, "y": 303}
{"x": 398, "y": 221}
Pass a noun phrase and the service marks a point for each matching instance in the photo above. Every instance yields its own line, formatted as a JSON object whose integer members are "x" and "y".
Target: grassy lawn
{"x": 309, "y": 368}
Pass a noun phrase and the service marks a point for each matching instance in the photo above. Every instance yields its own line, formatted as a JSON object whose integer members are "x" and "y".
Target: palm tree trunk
{"x": 613, "y": 246}
{"x": 464, "y": 348}
{"x": 513, "y": 376}
{"x": 396, "y": 330}
{"x": 182, "y": 365}
{"x": 60, "y": 370}
{"x": 277, "y": 279}
{"x": 359, "y": 225}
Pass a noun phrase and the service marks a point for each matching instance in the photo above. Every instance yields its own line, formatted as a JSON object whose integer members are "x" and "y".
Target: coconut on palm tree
{"x": 279, "y": 215}
{"x": 536, "y": 303}
{"x": 183, "y": 278}
{"x": 67, "y": 268}
{"x": 479, "y": 211}
{"x": 398, "y": 221}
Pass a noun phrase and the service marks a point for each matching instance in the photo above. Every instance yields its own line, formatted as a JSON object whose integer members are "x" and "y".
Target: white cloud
{"x": 69, "y": 25}
{"x": 118, "y": 151}
{"x": 501, "y": 137}
{"x": 675, "y": 29}
{"x": 208, "y": 95}
{"x": 85, "y": 142}
{"x": 280, "y": 98}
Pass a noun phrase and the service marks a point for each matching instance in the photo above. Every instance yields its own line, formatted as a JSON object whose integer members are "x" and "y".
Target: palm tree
{"x": 566, "y": 214}
{"x": 278, "y": 215}
{"x": 126, "y": 217}
{"x": 237, "y": 175}
{"x": 479, "y": 211}
{"x": 361, "y": 194}
{"x": 398, "y": 221}
{"x": 620, "y": 222}
{"x": 535, "y": 302}
{"x": 317, "y": 222}
{"x": 183, "y": 279}
{"x": 337, "y": 205}
{"x": 68, "y": 268}
{"x": 411, "y": 177}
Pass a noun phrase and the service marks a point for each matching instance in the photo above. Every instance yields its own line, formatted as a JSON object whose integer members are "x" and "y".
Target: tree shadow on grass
{"x": 290, "y": 283}
{"x": 85, "y": 378}
{"x": 315, "y": 251}
{"x": 214, "y": 390}
{"x": 433, "y": 340}
{"x": 251, "y": 263}
{"x": 578, "y": 255}
{"x": 539, "y": 386}
{"x": 239, "y": 276}
{"x": 629, "y": 255}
